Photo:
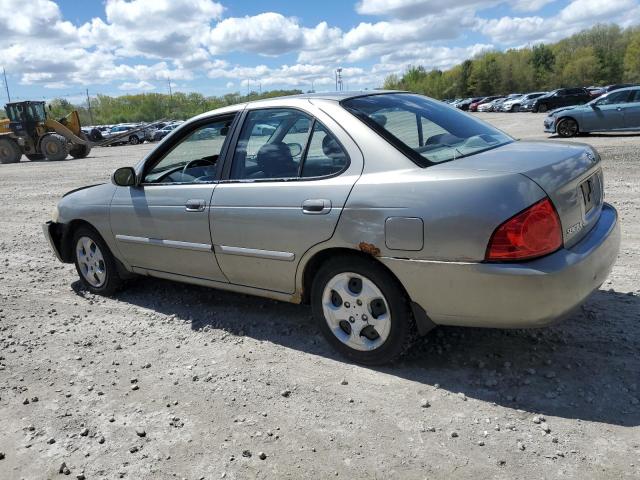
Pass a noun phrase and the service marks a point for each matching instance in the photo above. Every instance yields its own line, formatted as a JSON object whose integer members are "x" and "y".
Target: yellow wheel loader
{"x": 29, "y": 131}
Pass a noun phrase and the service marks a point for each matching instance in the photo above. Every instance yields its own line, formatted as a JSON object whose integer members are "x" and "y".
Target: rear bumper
{"x": 513, "y": 295}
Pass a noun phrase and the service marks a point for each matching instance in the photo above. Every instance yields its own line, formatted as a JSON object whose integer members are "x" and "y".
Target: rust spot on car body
{"x": 297, "y": 297}
{"x": 369, "y": 248}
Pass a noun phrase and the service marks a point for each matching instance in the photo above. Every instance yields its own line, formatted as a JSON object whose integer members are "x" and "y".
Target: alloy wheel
{"x": 356, "y": 311}
{"x": 567, "y": 128}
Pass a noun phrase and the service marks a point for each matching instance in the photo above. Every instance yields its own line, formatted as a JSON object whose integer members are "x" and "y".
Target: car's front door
{"x": 607, "y": 113}
{"x": 284, "y": 191}
{"x": 162, "y": 225}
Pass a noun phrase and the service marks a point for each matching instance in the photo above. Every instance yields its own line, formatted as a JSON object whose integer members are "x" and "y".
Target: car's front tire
{"x": 94, "y": 262}
{"x": 567, "y": 127}
{"x": 134, "y": 140}
{"x": 542, "y": 108}
{"x": 362, "y": 310}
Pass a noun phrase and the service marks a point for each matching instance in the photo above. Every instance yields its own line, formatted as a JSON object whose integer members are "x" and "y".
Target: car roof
{"x": 625, "y": 89}
{"x": 335, "y": 96}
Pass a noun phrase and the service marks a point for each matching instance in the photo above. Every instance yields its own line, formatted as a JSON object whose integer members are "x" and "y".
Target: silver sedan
{"x": 388, "y": 212}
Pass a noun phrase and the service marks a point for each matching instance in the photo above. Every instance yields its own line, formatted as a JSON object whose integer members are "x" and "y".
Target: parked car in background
{"x": 511, "y": 96}
{"x": 464, "y": 104}
{"x": 562, "y": 97}
{"x": 264, "y": 129}
{"x": 616, "y": 111}
{"x": 527, "y": 105}
{"x": 134, "y": 138}
{"x": 513, "y": 104}
{"x": 395, "y": 199}
{"x": 473, "y": 106}
{"x": 595, "y": 91}
{"x": 490, "y": 106}
{"x": 163, "y": 132}
{"x": 617, "y": 86}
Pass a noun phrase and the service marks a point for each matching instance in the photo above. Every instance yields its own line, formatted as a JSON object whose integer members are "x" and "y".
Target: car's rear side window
{"x": 425, "y": 130}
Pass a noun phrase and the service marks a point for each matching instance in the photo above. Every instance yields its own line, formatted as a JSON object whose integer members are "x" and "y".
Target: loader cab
{"x": 24, "y": 117}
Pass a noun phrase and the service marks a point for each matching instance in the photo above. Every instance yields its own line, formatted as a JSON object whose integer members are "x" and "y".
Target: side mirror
{"x": 124, "y": 177}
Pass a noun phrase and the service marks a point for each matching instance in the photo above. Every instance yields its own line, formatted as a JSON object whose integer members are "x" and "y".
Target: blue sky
{"x": 60, "y": 48}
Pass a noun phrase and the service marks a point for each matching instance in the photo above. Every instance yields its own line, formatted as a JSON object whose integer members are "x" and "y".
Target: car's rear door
{"x": 632, "y": 111}
{"x": 283, "y": 193}
{"x": 162, "y": 225}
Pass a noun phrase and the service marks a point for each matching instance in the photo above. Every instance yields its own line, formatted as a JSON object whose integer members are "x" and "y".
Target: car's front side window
{"x": 194, "y": 158}
{"x": 615, "y": 97}
{"x": 426, "y": 130}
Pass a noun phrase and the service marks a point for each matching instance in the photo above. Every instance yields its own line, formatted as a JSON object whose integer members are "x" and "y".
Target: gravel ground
{"x": 176, "y": 381}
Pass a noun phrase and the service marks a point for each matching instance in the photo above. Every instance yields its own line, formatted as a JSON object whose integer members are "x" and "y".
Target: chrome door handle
{"x": 316, "y": 206}
{"x": 195, "y": 205}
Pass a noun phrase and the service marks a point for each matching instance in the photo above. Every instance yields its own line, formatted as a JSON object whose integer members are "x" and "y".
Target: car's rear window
{"x": 426, "y": 130}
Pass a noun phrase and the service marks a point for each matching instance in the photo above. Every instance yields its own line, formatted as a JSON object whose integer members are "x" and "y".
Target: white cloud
{"x": 153, "y": 28}
{"x": 577, "y": 15}
{"x": 138, "y": 44}
{"x": 297, "y": 75}
{"x": 139, "y": 86}
{"x": 529, "y": 5}
{"x": 409, "y": 9}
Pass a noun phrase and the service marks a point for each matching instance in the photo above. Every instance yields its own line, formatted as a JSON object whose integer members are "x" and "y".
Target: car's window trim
{"x": 226, "y": 172}
{"x": 164, "y": 150}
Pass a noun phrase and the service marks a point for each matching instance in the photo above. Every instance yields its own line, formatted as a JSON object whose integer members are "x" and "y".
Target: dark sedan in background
{"x": 562, "y": 97}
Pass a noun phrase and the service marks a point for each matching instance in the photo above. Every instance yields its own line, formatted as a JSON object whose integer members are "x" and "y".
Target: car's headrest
{"x": 275, "y": 160}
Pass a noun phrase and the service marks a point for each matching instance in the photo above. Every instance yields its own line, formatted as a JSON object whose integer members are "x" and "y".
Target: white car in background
{"x": 513, "y": 104}
{"x": 490, "y": 106}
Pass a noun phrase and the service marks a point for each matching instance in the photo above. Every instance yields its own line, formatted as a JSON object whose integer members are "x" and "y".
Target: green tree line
{"x": 148, "y": 107}
{"x": 601, "y": 55}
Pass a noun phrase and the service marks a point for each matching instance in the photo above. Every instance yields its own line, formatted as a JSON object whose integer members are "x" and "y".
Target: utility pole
{"x": 6, "y": 84}
{"x": 170, "y": 94}
{"x": 89, "y": 107}
{"x": 338, "y": 79}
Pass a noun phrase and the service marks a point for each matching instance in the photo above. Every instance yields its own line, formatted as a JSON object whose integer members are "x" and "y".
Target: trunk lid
{"x": 569, "y": 173}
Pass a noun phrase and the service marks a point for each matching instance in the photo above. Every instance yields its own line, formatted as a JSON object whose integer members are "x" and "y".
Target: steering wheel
{"x": 192, "y": 163}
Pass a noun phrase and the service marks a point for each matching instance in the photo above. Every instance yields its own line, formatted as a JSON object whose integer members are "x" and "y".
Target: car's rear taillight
{"x": 531, "y": 233}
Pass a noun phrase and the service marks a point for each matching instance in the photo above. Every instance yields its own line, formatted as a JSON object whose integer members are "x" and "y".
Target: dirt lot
{"x": 176, "y": 381}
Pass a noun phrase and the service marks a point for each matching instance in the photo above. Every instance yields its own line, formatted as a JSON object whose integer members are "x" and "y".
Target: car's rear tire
{"x": 95, "y": 264}
{"x": 9, "y": 151}
{"x": 362, "y": 310}
{"x": 567, "y": 127}
{"x": 54, "y": 147}
{"x": 134, "y": 140}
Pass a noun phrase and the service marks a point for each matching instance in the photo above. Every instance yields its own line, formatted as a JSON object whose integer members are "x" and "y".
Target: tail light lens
{"x": 531, "y": 233}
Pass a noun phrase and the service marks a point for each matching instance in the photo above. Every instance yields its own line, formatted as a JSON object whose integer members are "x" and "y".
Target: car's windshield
{"x": 427, "y": 131}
